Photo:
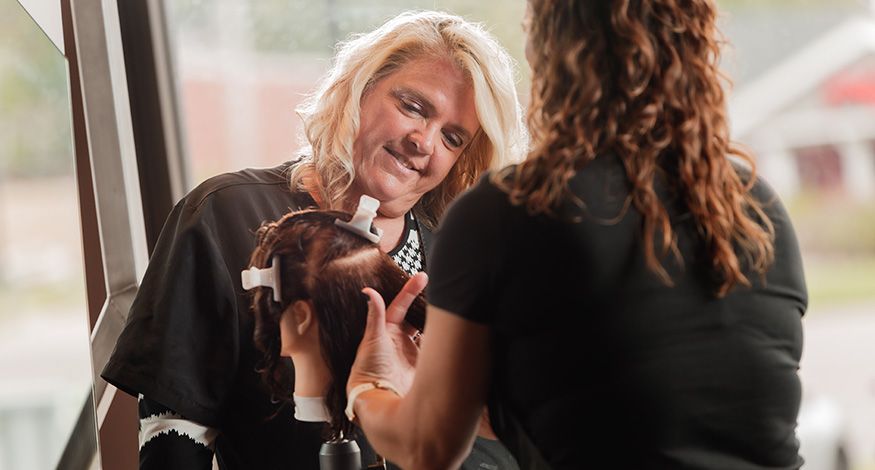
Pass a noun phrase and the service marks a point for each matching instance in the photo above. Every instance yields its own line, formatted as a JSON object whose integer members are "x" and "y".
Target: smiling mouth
{"x": 403, "y": 161}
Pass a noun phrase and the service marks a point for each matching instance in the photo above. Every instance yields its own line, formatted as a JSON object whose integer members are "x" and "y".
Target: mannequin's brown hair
{"x": 329, "y": 266}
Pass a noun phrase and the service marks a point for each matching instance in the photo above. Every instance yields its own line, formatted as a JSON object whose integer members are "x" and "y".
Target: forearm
{"x": 434, "y": 424}
{"x": 409, "y": 435}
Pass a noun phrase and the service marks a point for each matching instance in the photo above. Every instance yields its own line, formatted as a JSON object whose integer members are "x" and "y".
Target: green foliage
{"x": 35, "y": 131}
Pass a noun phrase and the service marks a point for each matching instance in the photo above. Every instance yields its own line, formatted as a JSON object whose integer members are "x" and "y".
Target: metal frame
{"x": 113, "y": 171}
{"x": 108, "y": 132}
{"x": 153, "y": 99}
{"x": 122, "y": 97}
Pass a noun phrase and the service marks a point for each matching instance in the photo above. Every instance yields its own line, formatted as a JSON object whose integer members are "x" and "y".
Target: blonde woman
{"x": 411, "y": 114}
{"x": 631, "y": 295}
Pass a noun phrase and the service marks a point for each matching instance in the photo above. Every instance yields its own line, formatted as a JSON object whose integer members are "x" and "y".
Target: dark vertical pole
{"x": 158, "y": 153}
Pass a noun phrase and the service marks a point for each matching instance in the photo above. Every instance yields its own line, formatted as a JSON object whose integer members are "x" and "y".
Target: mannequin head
{"x": 322, "y": 313}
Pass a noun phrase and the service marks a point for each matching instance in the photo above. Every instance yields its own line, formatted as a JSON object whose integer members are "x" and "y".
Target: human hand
{"x": 388, "y": 350}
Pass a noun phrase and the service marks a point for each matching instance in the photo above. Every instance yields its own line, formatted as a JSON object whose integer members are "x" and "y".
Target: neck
{"x": 391, "y": 223}
{"x": 392, "y": 229}
{"x": 311, "y": 375}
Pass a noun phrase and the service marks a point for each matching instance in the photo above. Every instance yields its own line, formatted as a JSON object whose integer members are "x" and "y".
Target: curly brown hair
{"x": 328, "y": 266}
{"x": 639, "y": 79}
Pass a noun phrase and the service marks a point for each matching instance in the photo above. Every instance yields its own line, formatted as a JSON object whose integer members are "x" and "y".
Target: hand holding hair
{"x": 388, "y": 352}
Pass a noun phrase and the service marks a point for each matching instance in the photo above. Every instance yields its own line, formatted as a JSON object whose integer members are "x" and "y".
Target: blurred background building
{"x": 803, "y": 100}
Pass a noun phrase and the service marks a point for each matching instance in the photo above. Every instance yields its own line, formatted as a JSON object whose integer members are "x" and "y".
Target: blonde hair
{"x": 331, "y": 114}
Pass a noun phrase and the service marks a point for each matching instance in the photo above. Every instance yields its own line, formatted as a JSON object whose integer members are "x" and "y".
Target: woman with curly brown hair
{"x": 633, "y": 293}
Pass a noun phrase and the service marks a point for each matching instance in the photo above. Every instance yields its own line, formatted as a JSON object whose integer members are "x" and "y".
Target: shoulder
{"x": 232, "y": 206}
{"x": 762, "y": 192}
{"x": 260, "y": 193}
{"x": 484, "y": 197}
{"x": 787, "y": 267}
{"x": 228, "y": 187}
{"x": 480, "y": 216}
{"x": 760, "y": 188}
{"x": 479, "y": 211}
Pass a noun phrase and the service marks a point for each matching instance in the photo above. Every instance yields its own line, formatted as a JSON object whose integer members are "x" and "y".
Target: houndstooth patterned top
{"x": 408, "y": 255}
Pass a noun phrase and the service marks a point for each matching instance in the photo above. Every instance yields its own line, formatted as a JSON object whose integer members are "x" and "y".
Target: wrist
{"x": 355, "y": 392}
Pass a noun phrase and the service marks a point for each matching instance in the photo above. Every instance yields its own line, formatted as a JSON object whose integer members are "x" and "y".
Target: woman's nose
{"x": 421, "y": 141}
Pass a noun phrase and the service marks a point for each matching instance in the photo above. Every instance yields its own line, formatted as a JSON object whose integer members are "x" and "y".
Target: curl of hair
{"x": 328, "y": 266}
{"x": 639, "y": 79}
{"x": 331, "y": 114}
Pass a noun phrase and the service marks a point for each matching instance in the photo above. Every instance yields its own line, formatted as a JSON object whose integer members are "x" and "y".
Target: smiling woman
{"x": 442, "y": 77}
{"x": 415, "y": 124}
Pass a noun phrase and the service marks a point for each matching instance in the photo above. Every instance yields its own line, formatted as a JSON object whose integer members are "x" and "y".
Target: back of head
{"x": 639, "y": 80}
{"x": 331, "y": 114}
{"x": 327, "y": 266}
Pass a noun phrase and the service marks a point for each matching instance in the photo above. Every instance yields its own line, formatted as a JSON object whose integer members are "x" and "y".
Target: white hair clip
{"x": 264, "y": 277}
{"x": 361, "y": 221}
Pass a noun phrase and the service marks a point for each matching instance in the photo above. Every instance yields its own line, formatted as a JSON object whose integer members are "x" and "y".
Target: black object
{"x": 340, "y": 454}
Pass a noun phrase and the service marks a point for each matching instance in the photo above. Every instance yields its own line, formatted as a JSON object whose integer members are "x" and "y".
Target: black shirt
{"x": 597, "y": 363}
{"x": 188, "y": 345}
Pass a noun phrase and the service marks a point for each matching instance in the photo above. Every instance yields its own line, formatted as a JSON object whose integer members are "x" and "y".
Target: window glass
{"x": 45, "y": 371}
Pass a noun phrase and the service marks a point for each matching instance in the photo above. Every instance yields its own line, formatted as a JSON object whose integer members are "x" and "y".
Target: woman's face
{"x": 415, "y": 123}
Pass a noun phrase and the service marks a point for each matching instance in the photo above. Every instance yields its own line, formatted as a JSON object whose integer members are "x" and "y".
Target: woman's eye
{"x": 453, "y": 139}
{"x": 411, "y": 106}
